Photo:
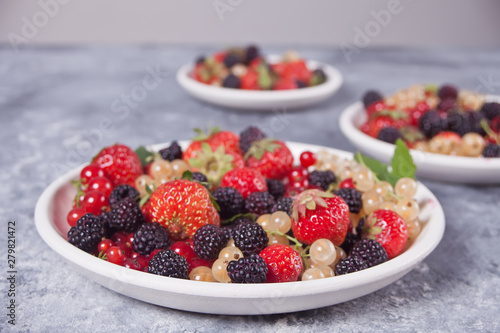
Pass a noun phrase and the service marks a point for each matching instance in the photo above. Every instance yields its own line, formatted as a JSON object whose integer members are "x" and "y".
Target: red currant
{"x": 132, "y": 264}
{"x": 74, "y": 215}
{"x": 78, "y": 199}
{"x": 307, "y": 159}
{"x": 104, "y": 245}
{"x": 126, "y": 248}
{"x": 94, "y": 202}
{"x": 296, "y": 174}
{"x": 142, "y": 260}
{"x": 115, "y": 255}
{"x": 102, "y": 184}
{"x": 347, "y": 183}
{"x": 89, "y": 172}
{"x": 183, "y": 249}
{"x": 119, "y": 236}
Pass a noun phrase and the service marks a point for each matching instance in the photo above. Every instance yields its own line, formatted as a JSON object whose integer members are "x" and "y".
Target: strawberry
{"x": 375, "y": 107}
{"x": 182, "y": 206}
{"x": 285, "y": 84}
{"x": 384, "y": 118}
{"x": 417, "y": 112}
{"x": 215, "y": 138}
{"x": 120, "y": 164}
{"x": 271, "y": 157}
{"x": 245, "y": 181}
{"x": 284, "y": 264}
{"x": 249, "y": 81}
{"x": 387, "y": 228}
{"x": 318, "y": 214}
{"x": 297, "y": 70}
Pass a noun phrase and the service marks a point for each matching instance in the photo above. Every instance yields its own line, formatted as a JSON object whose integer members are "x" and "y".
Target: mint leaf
{"x": 144, "y": 155}
{"x": 402, "y": 162}
{"x": 376, "y": 166}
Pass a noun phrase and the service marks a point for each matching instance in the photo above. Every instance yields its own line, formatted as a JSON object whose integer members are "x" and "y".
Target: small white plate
{"x": 457, "y": 169}
{"x": 232, "y": 299}
{"x": 266, "y": 101}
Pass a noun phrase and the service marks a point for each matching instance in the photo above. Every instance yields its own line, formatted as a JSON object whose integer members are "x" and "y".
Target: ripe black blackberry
{"x": 350, "y": 264}
{"x": 126, "y": 216}
{"x": 352, "y": 198}
{"x": 283, "y": 204}
{"x": 208, "y": 241}
{"x": 260, "y": 203}
{"x": 371, "y": 251}
{"x": 389, "y": 134}
{"x": 491, "y": 110}
{"x": 105, "y": 218}
{"x": 322, "y": 179}
{"x": 349, "y": 240}
{"x": 172, "y": 152}
{"x": 201, "y": 178}
{"x": 431, "y": 123}
{"x": 300, "y": 84}
{"x": 200, "y": 60}
{"x": 447, "y": 91}
{"x": 252, "y": 269}
{"x": 231, "y": 59}
{"x": 463, "y": 123}
{"x": 248, "y": 136}
{"x": 231, "y": 81}
{"x": 491, "y": 150}
{"x": 87, "y": 233}
{"x": 276, "y": 188}
{"x": 149, "y": 237}
{"x": 318, "y": 76}
{"x": 250, "y": 238}
{"x": 168, "y": 263}
{"x": 251, "y": 53}
{"x": 447, "y": 105}
{"x": 121, "y": 192}
{"x": 230, "y": 202}
{"x": 371, "y": 97}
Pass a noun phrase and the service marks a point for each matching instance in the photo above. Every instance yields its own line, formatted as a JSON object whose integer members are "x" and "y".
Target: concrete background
{"x": 314, "y": 22}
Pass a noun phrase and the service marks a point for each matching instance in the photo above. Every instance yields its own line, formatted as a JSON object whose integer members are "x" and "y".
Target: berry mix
{"x": 236, "y": 208}
{"x": 441, "y": 120}
{"x": 246, "y": 68}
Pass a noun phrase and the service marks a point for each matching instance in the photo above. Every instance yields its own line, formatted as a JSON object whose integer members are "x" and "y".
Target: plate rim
{"x": 399, "y": 265}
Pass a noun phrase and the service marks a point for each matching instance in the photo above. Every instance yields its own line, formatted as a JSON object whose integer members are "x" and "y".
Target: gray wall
{"x": 319, "y": 22}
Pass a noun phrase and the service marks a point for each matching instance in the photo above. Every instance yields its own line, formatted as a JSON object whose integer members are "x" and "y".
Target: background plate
{"x": 50, "y": 219}
{"x": 458, "y": 169}
{"x": 262, "y": 100}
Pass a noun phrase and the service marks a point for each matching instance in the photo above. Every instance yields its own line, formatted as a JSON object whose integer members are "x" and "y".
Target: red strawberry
{"x": 417, "y": 112}
{"x": 284, "y": 264}
{"x": 318, "y": 214}
{"x": 375, "y": 107}
{"x": 387, "y": 228}
{"x": 120, "y": 164}
{"x": 245, "y": 181}
{"x": 285, "y": 84}
{"x": 297, "y": 70}
{"x": 383, "y": 119}
{"x": 215, "y": 138}
{"x": 250, "y": 81}
{"x": 271, "y": 157}
{"x": 182, "y": 206}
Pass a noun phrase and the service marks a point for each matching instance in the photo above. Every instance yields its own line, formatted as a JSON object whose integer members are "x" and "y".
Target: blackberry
{"x": 172, "y": 152}
{"x": 208, "y": 241}
{"x": 230, "y": 202}
{"x": 447, "y": 91}
{"x": 318, "y": 76}
{"x": 352, "y": 198}
{"x": 491, "y": 150}
{"x": 350, "y": 264}
{"x": 276, "y": 188}
{"x": 126, "y": 216}
{"x": 201, "y": 178}
{"x": 149, "y": 237}
{"x": 283, "y": 204}
{"x": 231, "y": 81}
{"x": 250, "y": 238}
{"x": 447, "y": 105}
{"x": 252, "y": 269}
{"x": 251, "y": 53}
{"x": 371, "y": 97}
{"x": 491, "y": 110}
{"x": 431, "y": 123}
{"x": 200, "y": 60}
{"x": 389, "y": 134}
{"x": 227, "y": 234}
{"x": 371, "y": 251}
{"x": 105, "y": 218}
{"x": 322, "y": 179}
{"x": 463, "y": 123}
{"x": 231, "y": 59}
{"x": 248, "y": 136}
{"x": 87, "y": 233}
{"x": 168, "y": 263}
{"x": 360, "y": 227}
{"x": 260, "y": 203}
{"x": 121, "y": 192}
{"x": 349, "y": 240}
{"x": 300, "y": 84}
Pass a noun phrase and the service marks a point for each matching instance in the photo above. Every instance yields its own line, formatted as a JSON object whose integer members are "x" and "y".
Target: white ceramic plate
{"x": 231, "y": 299}
{"x": 239, "y": 99}
{"x": 472, "y": 170}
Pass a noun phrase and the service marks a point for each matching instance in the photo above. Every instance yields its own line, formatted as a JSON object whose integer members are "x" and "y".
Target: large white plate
{"x": 262, "y": 100}
{"x": 231, "y": 299}
{"x": 459, "y": 169}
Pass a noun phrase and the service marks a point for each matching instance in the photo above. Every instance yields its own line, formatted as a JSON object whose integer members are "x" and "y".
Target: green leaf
{"x": 402, "y": 162}
{"x": 144, "y": 155}
{"x": 376, "y": 166}
{"x": 188, "y": 175}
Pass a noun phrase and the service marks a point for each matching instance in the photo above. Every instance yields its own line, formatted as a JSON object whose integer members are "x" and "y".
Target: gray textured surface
{"x": 49, "y": 99}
